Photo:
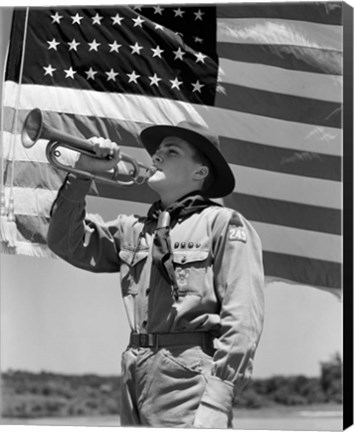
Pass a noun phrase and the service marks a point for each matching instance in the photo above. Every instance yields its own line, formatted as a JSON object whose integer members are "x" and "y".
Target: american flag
{"x": 266, "y": 77}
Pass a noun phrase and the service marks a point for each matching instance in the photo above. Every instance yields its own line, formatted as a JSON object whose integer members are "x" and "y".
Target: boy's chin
{"x": 158, "y": 184}
{"x": 154, "y": 183}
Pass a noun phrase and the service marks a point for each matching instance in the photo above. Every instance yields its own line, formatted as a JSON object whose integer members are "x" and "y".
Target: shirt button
{"x": 176, "y": 245}
{"x": 148, "y": 291}
{"x": 144, "y": 323}
{"x": 183, "y": 260}
{"x": 190, "y": 245}
{"x": 183, "y": 245}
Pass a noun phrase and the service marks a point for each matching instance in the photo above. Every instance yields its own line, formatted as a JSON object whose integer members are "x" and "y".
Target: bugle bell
{"x": 34, "y": 128}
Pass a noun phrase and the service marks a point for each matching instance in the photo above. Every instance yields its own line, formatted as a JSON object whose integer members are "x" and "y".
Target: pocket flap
{"x": 131, "y": 257}
{"x": 188, "y": 256}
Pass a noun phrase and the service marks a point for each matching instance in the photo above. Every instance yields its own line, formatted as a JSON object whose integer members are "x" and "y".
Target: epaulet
{"x": 231, "y": 216}
{"x": 236, "y": 219}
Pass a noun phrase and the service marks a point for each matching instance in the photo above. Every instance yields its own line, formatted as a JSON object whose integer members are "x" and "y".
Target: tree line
{"x": 33, "y": 395}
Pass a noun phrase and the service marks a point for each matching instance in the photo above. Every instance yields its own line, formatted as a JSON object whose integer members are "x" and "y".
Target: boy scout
{"x": 191, "y": 278}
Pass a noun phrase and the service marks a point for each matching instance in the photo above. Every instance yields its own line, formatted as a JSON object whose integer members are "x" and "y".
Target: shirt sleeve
{"x": 239, "y": 284}
{"x": 85, "y": 242}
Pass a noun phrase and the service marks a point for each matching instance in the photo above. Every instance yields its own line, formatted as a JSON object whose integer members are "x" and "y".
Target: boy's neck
{"x": 169, "y": 199}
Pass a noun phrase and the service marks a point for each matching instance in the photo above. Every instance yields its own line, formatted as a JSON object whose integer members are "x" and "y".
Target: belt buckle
{"x": 146, "y": 340}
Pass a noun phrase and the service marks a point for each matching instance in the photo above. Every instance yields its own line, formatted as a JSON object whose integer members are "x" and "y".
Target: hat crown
{"x": 201, "y": 130}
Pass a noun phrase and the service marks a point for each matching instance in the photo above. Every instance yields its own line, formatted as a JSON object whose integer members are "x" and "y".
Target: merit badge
{"x": 182, "y": 276}
{"x": 237, "y": 233}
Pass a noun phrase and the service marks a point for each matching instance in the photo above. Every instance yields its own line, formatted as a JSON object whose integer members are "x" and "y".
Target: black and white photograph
{"x": 176, "y": 222}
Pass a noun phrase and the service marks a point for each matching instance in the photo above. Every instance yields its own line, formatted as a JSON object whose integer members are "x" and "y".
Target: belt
{"x": 160, "y": 340}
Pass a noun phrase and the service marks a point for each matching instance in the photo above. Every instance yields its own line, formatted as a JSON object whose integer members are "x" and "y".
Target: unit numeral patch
{"x": 237, "y": 233}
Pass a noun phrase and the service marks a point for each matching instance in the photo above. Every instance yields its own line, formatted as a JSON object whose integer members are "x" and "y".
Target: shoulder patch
{"x": 237, "y": 233}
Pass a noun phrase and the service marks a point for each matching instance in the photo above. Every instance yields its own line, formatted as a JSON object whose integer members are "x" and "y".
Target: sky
{"x": 57, "y": 318}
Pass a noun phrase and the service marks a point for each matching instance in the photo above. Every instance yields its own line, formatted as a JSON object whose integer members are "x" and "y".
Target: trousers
{"x": 162, "y": 387}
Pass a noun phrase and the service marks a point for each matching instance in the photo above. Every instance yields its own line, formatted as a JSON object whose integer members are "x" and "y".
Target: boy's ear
{"x": 202, "y": 172}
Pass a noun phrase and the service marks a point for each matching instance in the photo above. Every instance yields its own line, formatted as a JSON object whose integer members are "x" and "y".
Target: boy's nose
{"x": 157, "y": 157}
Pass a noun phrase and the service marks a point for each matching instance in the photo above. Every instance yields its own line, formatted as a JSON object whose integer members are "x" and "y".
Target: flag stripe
{"x": 314, "y": 12}
{"x": 238, "y": 152}
{"x": 278, "y": 105}
{"x": 279, "y": 32}
{"x": 270, "y": 131}
{"x": 275, "y": 132}
{"x": 293, "y": 269}
{"x": 274, "y": 211}
{"x": 23, "y": 247}
{"x": 294, "y": 241}
{"x": 296, "y": 269}
{"x": 307, "y": 164}
{"x": 286, "y": 213}
{"x": 33, "y": 228}
{"x": 266, "y": 184}
{"x": 286, "y": 81}
{"x": 288, "y": 57}
{"x": 278, "y": 239}
{"x": 285, "y": 187}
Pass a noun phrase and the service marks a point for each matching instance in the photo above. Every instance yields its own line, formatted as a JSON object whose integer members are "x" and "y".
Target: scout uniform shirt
{"x": 218, "y": 266}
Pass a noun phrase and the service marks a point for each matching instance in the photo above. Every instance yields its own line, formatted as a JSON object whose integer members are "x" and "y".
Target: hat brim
{"x": 224, "y": 180}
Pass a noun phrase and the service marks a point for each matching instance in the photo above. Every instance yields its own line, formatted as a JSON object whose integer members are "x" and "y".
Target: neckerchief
{"x": 161, "y": 252}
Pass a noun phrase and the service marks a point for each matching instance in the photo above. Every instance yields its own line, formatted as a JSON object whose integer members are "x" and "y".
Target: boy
{"x": 191, "y": 278}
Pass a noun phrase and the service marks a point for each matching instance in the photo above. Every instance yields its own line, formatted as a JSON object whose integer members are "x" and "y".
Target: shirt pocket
{"x": 191, "y": 270}
{"x": 132, "y": 264}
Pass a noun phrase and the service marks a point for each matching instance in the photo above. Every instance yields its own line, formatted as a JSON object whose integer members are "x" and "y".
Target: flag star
{"x": 69, "y": 73}
{"x": 49, "y": 70}
{"x": 198, "y": 15}
{"x": 158, "y": 10}
{"x": 117, "y": 19}
{"x": 111, "y": 75}
{"x": 178, "y": 12}
{"x": 53, "y": 44}
{"x": 93, "y": 45}
{"x": 179, "y": 54}
{"x": 91, "y": 73}
{"x": 133, "y": 77}
{"x": 158, "y": 27}
{"x": 97, "y": 19}
{"x": 157, "y": 51}
{"x": 200, "y": 57}
{"x": 175, "y": 83}
{"x": 198, "y": 39}
{"x": 114, "y": 46}
{"x": 137, "y": 8}
{"x": 138, "y": 21}
{"x": 76, "y": 19}
{"x": 197, "y": 86}
{"x": 73, "y": 45}
{"x": 154, "y": 80}
{"x": 56, "y": 18}
{"x": 136, "y": 48}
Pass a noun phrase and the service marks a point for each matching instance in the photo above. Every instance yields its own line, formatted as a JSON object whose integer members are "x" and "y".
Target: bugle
{"x": 34, "y": 128}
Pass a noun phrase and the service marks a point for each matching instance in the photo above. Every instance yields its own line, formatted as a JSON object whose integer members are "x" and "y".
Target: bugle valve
{"x": 34, "y": 128}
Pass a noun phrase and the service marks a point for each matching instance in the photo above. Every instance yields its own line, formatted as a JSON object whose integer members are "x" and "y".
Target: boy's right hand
{"x": 107, "y": 156}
